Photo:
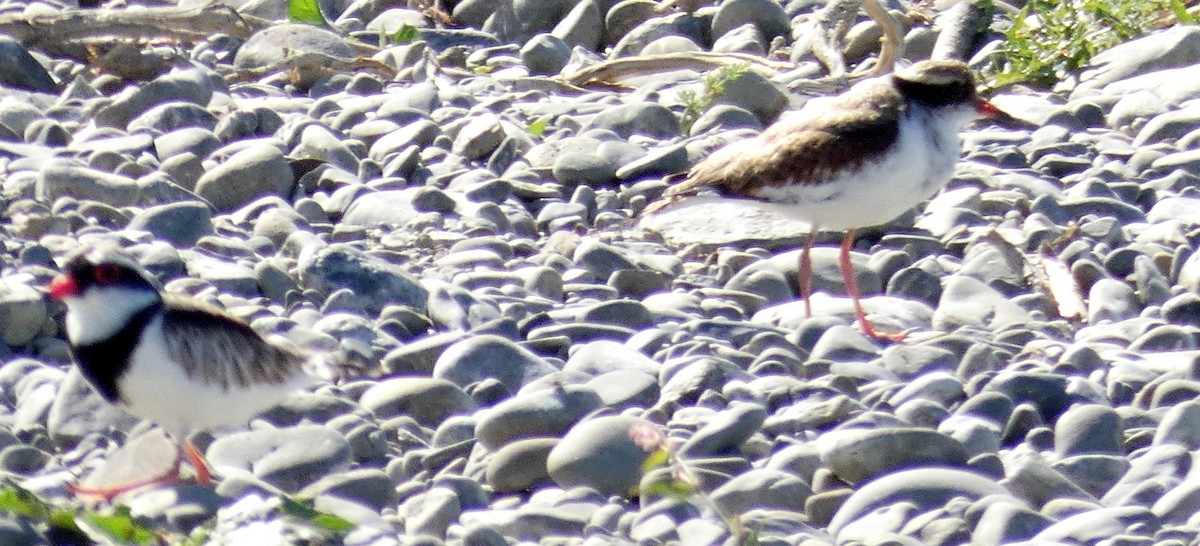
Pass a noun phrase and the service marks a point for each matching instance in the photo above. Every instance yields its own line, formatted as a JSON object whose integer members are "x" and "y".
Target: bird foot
{"x": 109, "y": 492}
{"x": 895, "y": 337}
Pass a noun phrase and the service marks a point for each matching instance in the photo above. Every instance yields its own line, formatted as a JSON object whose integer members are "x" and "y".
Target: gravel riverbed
{"x": 459, "y": 224}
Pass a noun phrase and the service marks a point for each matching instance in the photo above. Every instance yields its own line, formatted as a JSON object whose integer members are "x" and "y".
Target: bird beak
{"x": 62, "y": 287}
{"x": 1002, "y": 118}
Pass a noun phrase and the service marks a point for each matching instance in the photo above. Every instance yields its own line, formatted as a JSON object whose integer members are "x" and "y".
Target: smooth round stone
{"x": 1097, "y": 525}
{"x": 194, "y": 140}
{"x": 665, "y": 161}
{"x": 686, "y": 379}
{"x": 626, "y": 15}
{"x": 1112, "y": 300}
{"x": 520, "y": 465}
{"x": 1168, "y": 337}
{"x": 373, "y": 282}
{"x": 180, "y": 224}
{"x": 619, "y": 389}
{"x": 601, "y": 453}
{"x": 544, "y": 413}
{"x": 288, "y": 458}
{"x": 602, "y": 260}
{"x": 171, "y": 116}
{"x": 1158, "y": 464}
{"x": 23, "y": 459}
{"x": 21, "y": 70}
{"x": 624, "y": 312}
{"x": 762, "y": 489}
{"x": 382, "y": 208}
{"x": 725, "y": 432}
{"x": 646, "y": 119}
{"x": 545, "y": 54}
{"x": 969, "y": 302}
{"x": 1180, "y": 426}
{"x": 59, "y": 179}
{"x": 452, "y": 307}
{"x": 78, "y": 410}
{"x": 940, "y": 387}
{"x": 1007, "y": 522}
{"x": 1031, "y": 479}
{"x": 429, "y": 401}
{"x": 768, "y": 16}
{"x": 1088, "y": 429}
{"x": 583, "y": 26}
{"x": 1045, "y": 391}
{"x": 277, "y": 42}
{"x": 745, "y": 39}
{"x": 369, "y": 487}
{"x": 1096, "y": 474}
{"x": 603, "y": 356}
{"x": 249, "y": 174}
{"x": 488, "y": 356}
{"x": 431, "y": 513}
{"x": 725, "y": 117}
{"x": 189, "y": 85}
{"x": 317, "y": 142}
{"x": 924, "y": 488}
{"x": 23, "y": 312}
{"x": 913, "y": 361}
{"x": 671, "y": 44}
{"x": 859, "y": 455}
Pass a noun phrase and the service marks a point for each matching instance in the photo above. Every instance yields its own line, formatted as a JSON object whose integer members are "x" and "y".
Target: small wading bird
{"x": 859, "y": 159}
{"x": 172, "y": 360}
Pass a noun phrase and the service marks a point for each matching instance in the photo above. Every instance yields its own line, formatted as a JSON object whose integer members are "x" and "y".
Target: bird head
{"x": 97, "y": 270}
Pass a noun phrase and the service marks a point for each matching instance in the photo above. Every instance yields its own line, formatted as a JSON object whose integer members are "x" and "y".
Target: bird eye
{"x": 106, "y": 273}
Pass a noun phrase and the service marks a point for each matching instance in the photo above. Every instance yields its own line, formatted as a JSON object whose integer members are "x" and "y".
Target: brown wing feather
{"x": 803, "y": 149}
{"x": 219, "y": 349}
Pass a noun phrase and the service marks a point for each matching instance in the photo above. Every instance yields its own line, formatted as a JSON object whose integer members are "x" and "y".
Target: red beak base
{"x": 63, "y": 287}
{"x": 992, "y": 112}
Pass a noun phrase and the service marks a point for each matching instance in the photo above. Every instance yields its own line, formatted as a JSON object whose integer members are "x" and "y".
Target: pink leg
{"x": 852, "y": 288}
{"x": 804, "y": 272}
{"x": 203, "y": 473}
{"x": 108, "y": 493}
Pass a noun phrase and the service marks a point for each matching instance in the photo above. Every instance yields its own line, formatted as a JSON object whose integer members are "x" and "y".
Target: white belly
{"x": 881, "y": 190}
{"x": 156, "y": 388}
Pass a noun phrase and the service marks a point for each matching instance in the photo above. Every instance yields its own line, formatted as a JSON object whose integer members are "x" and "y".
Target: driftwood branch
{"x": 615, "y": 70}
{"x": 52, "y": 32}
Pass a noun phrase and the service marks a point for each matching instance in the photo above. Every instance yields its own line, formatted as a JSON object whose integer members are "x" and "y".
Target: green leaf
{"x": 538, "y": 127}
{"x": 302, "y": 510}
{"x": 306, "y": 11}
{"x": 657, "y": 458}
{"x": 1181, "y": 13}
{"x": 17, "y": 500}
{"x": 120, "y": 526}
{"x": 405, "y": 34}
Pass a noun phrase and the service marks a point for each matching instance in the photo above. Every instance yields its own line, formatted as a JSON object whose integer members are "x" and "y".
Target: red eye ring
{"x": 106, "y": 273}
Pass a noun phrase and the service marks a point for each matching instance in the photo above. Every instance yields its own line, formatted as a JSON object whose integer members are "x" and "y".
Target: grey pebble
{"x": 66, "y": 180}
{"x": 373, "y": 282}
{"x": 21, "y": 70}
{"x": 520, "y": 465}
{"x": 180, "y": 224}
{"x": 290, "y": 458}
{"x": 22, "y": 312}
{"x": 548, "y": 412}
{"x": 600, "y": 453}
{"x": 429, "y": 401}
{"x": 251, "y": 173}
{"x": 859, "y": 456}
{"x": 489, "y": 356}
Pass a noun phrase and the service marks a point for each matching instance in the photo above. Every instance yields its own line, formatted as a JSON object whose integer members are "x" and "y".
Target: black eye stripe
{"x": 107, "y": 273}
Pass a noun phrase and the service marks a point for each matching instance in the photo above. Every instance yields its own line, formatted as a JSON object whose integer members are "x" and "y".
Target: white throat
{"x": 99, "y": 313}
